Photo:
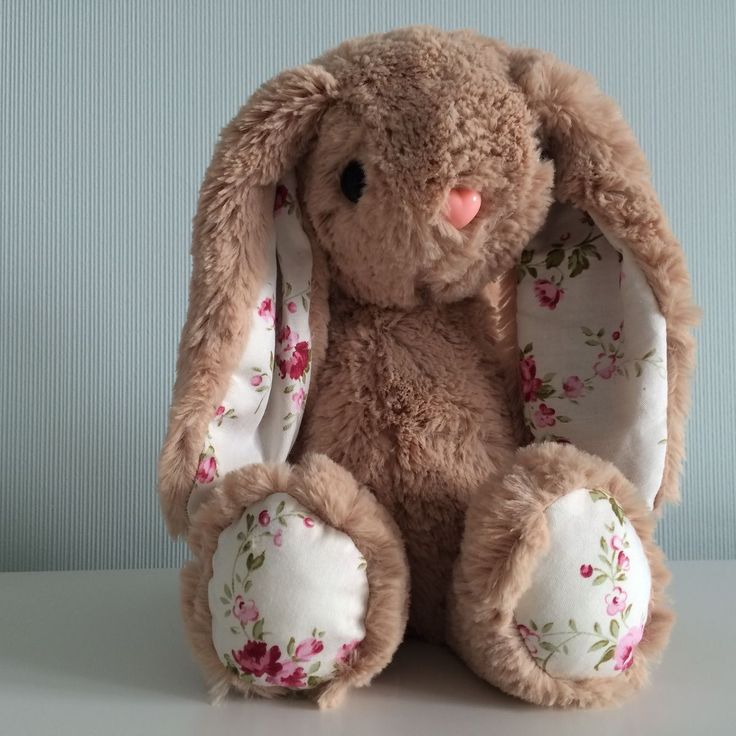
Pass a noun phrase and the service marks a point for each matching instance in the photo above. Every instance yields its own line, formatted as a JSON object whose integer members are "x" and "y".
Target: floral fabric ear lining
{"x": 593, "y": 348}
{"x": 258, "y": 419}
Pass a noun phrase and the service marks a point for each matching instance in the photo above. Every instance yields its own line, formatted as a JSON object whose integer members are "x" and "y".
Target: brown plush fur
{"x": 414, "y": 385}
{"x": 505, "y": 535}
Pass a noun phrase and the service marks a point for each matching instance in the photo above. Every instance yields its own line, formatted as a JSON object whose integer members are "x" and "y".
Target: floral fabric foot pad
{"x": 584, "y": 613}
{"x": 288, "y": 596}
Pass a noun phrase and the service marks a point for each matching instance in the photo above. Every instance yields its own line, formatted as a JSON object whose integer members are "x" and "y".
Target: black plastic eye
{"x": 352, "y": 181}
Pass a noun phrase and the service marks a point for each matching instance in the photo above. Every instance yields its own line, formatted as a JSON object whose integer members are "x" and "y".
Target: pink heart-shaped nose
{"x": 462, "y": 206}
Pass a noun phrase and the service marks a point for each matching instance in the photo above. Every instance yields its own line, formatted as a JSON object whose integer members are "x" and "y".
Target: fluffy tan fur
{"x": 415, "y": 388}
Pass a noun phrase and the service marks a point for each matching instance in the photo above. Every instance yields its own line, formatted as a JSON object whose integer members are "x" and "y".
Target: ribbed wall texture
{"x": 108, "y": 115}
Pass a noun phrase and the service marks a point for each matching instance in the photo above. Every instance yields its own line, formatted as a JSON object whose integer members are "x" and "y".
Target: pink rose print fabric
{"x": 605, "y": 367}
{"x": 548, "y": 294}
{"x": 297, "y": 398}
{"x": 594, "y": 626}
{"x": 283, "y": 199}
{"x": 266, "y": 311}
{"x": 573, "y": 387}
{"x": 531, "y": 639}
{"x": 616, "y": 601}
{"x": 260, "y": 661}
{"x": 270, "y": 628}
{"x": 530, "y": 384}
{"x": 346, "y": 651}
{"x": 294, "y": 354}
{"x": 592, "y": 348}
{"x": 292, "y": 675}
{"x": 257, "y": 659}
{"x": 308, "y": 648}
{"x": 624, "y": 655}
{"x": 245, "y": 611}
{"x": 544, "y": 416}
{"x": 207, "y": 467}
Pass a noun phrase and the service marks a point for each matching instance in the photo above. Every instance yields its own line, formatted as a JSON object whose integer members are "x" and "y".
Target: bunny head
{"x": 403, "y": 168}
{"x": 425, "y": 178}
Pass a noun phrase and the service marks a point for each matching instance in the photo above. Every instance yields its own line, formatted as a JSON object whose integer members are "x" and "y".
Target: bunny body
{"x": 425, "y": 165}
{"x": 412, "y": 403}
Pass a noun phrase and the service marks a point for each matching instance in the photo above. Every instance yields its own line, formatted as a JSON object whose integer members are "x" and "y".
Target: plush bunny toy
{"x": 413, "y": 257}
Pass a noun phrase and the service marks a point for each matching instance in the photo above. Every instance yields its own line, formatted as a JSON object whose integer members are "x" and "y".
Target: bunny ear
{"x": 603, "y": 303}
{"x": 245, "y": 351}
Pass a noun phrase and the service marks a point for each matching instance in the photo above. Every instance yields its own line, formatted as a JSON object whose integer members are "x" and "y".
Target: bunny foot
{"x": 558, "y": 592}
{"x": 299, "y": 582}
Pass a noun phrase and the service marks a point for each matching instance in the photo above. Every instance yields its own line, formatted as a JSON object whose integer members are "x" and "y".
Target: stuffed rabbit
{"x": 433, "y": 378}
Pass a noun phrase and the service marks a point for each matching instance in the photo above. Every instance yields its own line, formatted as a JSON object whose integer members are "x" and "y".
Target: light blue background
{"x": 108, "y": 115}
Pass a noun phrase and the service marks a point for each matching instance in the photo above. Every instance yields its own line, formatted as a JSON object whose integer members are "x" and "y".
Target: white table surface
{"x": 104, "y": 653}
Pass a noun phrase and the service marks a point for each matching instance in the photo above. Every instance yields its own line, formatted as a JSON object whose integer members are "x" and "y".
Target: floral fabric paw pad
{"x": 584, "y": 613}
{"x": 288, "y": 596}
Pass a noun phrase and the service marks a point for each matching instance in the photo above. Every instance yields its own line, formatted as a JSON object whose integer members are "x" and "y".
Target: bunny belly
{"x": 413, "y": 404}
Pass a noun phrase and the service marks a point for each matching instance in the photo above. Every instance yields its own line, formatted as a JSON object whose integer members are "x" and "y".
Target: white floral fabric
{"x": 259, "y": 417}
{"x": 584, "y": 613}
{"x": 593, "y": 348}
{"x": 288, "y": 596}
